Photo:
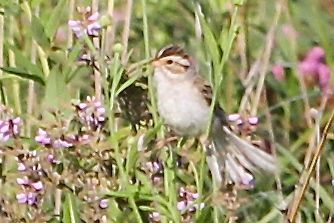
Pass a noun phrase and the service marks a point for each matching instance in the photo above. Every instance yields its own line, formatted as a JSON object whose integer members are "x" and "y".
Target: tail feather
{"x": 215, "y": 168}
{"x": 258, "y": 158}
{"x": 236, "y": 172}
{"x": 237, "y": 157}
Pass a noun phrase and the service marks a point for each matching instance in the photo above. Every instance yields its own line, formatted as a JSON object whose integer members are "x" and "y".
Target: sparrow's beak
{"x": 156, "y": 63}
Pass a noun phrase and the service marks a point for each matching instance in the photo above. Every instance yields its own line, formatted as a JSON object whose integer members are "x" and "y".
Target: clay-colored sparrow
{"x": 184, "y": 103}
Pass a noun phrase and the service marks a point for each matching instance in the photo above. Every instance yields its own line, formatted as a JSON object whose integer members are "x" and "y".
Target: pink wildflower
{"x": 88, "y": 25}
{"x": 278, "y": 71}
{"x": 314, "y": 68}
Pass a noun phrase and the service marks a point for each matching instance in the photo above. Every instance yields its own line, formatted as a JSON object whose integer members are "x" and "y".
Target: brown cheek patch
{"x": 177, "y": 69}
{"x": 186, "y": 56}
{"x": 182, "y": 65}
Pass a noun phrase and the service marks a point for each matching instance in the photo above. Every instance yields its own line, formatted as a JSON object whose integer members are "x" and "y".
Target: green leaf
{"x": 126, "y": 84}
{"x": 75, "y": 51}
{"x": 38, "y": 32}
{"x": 35, "y": 3}
{"x": 114, "y": 213}
{"x": 326, "y": 197}
{"x": 72, "y": 57}
{"x": 77, "y": 71}
{"x": 55, "y": 19}
{"x": 56, "y": 92}
{"x": 70, "y": 210}
{"x": 132, "y": 158}
{"x": 23, "y": 74}
{"x": 205, "y": 215}
{"x": 24, "y": 62}
{"x": 146, "y": 182}
{"x": 146, "y": 208}
{"x": 9, "y": 7}
{"x": 210, "y": 42}
{"x": 9, "y": 77}
{"x": 130, "y": 191}
{"x": 239, "y": 2}
{"x": 8, "y": 165}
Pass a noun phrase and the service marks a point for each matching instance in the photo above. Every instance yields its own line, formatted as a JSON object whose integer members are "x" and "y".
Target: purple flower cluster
{"x": 187, "y": 206}
{"x": 45, "y": 139}
{"x": 30, "y": 182}
{"x": 187, "y": 201}
{"x": 154, "y": 217}
{"x": 103, "y": 203}
{"x": 29, "y": 198}
{"x": 89, "y": 25}
{"x": 52, "y": 159}
{"x": 314, "y": 68}
{"x": 155, "y": 171}
{"x": 91, "y": 113}
{"x": 243, "y": 125}
{"x": 91, "y": 116}
{"x": 9, "y": 128}
{"x": 93, "y": 187}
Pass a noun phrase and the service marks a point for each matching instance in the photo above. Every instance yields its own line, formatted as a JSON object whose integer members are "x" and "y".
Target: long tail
{"x": 236, "y": 158}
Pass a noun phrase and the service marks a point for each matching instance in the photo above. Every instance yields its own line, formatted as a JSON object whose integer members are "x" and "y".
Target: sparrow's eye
{"x": 169, "y": 61}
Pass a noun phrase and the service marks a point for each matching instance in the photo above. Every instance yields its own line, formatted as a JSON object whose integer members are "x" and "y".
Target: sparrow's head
{"x": 173, "y": 60}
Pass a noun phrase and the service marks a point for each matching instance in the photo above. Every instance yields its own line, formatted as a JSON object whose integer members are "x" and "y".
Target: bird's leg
{"x": 188, "y": 143}
{"x": 165, "y": 141}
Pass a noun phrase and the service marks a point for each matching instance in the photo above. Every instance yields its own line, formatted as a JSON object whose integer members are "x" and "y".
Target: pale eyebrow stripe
{"x": 179, "y": 60}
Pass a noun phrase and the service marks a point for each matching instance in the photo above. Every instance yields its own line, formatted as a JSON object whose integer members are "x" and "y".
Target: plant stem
{"x": 307, "y": 173}
{"x": 135, "y": 209}
{"x": 2, "y": 93}
{"x": 12, "y": 63}
{"x": 153, "y": 107}
{"x": 126, "y": 30}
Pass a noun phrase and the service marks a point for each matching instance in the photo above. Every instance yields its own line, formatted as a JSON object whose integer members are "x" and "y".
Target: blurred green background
{"x": 257, "y": 56}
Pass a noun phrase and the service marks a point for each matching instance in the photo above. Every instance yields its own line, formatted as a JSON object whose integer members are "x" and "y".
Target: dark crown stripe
{"x": 171, "y": 50}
